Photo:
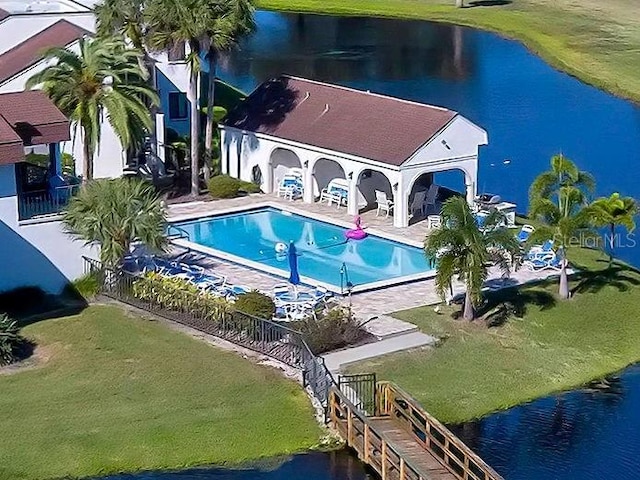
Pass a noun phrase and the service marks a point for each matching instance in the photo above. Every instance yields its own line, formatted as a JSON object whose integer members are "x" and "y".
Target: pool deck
{"x": 373, "y": 307}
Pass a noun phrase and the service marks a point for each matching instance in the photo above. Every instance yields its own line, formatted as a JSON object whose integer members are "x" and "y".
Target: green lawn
{"x": 598, "y": 41}
{"x": 556, "y": 345}
{"x": 120, "y": 393}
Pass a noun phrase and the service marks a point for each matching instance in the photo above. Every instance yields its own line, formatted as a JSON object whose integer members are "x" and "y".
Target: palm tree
{"x": 126, "y": 19}
{"x": 559, "y": 199}
{"x": 228, "y": 21}
{"x": 102, "y": 80}
{"x": 178, "y": 22}
{"x": 612, "y": 211}
{"x": 113, "y": 214}
{"x": 463, "y": 249}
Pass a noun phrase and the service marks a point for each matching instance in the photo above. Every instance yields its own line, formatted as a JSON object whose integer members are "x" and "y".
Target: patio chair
{"x": 540, "y": 250}
{"x": 384, "y": 204}
{"x": 336, "y": 191}
{"x": 549, "y": 261}
{"x": 418, "y": 203}
{"x": 434, "y": 221}
{"x": 290, "y": 186}
{"x": 524, "y": 233}
{"x": 431, "y": 197}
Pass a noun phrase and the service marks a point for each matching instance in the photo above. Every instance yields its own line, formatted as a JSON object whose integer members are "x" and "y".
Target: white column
{"x": 224, "y": 152}
{"x": 470, "y": 188}
{"x": 400, "y": 204}
{"x": 267, "y": 173}
{"x": 307, "y": 170}
{"x": 160, "y": 150}
{"x": 352, "y": 201}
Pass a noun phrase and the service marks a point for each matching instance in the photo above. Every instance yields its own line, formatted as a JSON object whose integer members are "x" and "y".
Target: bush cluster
{"x": 13, "y": 346}
{"x": 224, "y": 186}
{"x": 335, "y": 328}
{"x": 180, "y": 295}
{"x": 256, "y": 304}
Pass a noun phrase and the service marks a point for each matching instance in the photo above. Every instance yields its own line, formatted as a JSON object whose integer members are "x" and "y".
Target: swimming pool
{"x": 325, "y": 256}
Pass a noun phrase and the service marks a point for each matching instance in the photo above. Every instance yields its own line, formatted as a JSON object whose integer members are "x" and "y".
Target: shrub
{"x": 224, "y": 186}
{"x": 256, "y": 304}
{"x": 180, "y": 295}
{"x": 87, "y": 286}
{"x": 330, "y": 330}
{"x": 12, "y": 344}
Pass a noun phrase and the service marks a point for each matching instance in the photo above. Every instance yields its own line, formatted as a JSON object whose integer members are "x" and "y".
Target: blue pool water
{"x": 322, "y": 247}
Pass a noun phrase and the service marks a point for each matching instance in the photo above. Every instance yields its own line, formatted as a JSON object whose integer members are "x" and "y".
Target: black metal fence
{"x": 263, "y": 336}
{"x": 361, "y": 390}
{"x": 45, "y": 202}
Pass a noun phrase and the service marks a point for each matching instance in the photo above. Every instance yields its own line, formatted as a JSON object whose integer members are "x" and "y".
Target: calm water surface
{"x": 583, "y": 434}
{"x": 312, "y": 466}
{"x": 530, "y": 110}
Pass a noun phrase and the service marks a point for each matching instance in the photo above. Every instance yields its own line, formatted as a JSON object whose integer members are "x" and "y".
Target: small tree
{"x": 463, "y": 249}
{"x": 115, "y": 213}
{"x": 103, "y": 80}
{"x": 11, "y": 342}
{"x": 613, "y": 211}
{"x": 559, "y": 199}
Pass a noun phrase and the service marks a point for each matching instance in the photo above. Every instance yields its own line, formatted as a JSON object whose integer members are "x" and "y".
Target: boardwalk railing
{"x": 263, "y": 336}
{"x": 372, "y": 447}
{"x": 363, "y": 433}
{"x": 427, "y": 431}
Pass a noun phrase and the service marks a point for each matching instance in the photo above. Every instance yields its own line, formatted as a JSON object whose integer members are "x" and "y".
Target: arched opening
{"x": 325, "y": 170}
{"x": 368, "y": 182}
{"x": 281, "y": 161}
{"x": 429, "y": 190}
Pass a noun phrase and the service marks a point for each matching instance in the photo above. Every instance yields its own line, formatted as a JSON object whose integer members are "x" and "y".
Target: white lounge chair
{"x": 548, "y": 261}
{"x": 337, "y": 191}
{"x": 418, "y": 203}
{"x": 431, "y": 197}
{"x": 384, "y": 204}
{"x": 290, "y": 186}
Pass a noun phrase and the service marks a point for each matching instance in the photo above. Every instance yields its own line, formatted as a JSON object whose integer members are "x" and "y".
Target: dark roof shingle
{"x": 29, "y": 52}
{"x": 28, "y": 118}
{"x": 377, "y": 127}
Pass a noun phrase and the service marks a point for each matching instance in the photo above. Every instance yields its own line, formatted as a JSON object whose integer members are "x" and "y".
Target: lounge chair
{"x": 336, "y": 191}
{"x": 540, "y": 250}
{"x": 290, "y": 186}
{"x": 419, "y": 203}
{"x": 431, "y": 197}
{"x": 384, "y": 204}
{"x": 524, "y": 233}
{"x": 549, "y": 261}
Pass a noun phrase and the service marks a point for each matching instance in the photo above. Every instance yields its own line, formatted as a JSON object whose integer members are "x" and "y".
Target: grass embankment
{"x": 597, "y": 41}
{"x": 119, "y": 393}
{"x": 556, "y": 345}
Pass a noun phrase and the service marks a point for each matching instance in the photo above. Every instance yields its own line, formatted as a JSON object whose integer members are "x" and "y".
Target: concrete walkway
{"x": 336, "y": 361}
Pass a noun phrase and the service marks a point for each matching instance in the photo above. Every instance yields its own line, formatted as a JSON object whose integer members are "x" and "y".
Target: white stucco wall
{"x": 38, "y": 254}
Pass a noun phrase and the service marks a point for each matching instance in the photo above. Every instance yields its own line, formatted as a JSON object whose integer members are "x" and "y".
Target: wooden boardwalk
{"x": 401, "y": 441}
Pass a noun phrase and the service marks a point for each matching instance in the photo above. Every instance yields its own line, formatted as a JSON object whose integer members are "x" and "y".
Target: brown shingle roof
{"x": 29, "y": 52}
{"x": 28, "y": 118}
{"x": 364, "y": 124}
{"x": 4, "y": 14}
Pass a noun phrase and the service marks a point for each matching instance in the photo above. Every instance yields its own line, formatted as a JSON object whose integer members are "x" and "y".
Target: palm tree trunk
{"x": 208, "y": 138}
{"x": 564, "y": 281}
{"x": 87, "y": 166}
{"x": 612, "y": 243}
{"x": 195, "y": 131}
{"x": 468, "y": 313}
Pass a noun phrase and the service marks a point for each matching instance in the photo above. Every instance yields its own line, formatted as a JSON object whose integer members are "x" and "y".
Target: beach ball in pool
{"x": 281, "y": 247}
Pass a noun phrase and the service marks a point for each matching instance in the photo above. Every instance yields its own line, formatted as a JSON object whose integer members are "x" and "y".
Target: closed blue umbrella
{"x": 294, "y": 276}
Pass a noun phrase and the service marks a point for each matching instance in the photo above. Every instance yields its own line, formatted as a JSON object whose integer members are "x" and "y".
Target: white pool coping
{"x": 284, "y": 274}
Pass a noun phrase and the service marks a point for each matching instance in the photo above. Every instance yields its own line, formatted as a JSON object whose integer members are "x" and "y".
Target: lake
{"x": 530, "y": 110}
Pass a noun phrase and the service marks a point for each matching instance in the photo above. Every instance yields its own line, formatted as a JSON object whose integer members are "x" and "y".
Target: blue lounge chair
{"x": 524, "y": 233}
{"x": 540, "y": 250}
{"x": 549, "y": 261}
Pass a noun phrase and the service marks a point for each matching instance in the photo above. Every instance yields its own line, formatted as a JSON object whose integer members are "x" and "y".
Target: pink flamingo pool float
{"x": 356, "y": 233}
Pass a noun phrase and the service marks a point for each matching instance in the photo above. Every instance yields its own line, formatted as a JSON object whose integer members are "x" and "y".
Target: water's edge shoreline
{"x": 441, "y": 16}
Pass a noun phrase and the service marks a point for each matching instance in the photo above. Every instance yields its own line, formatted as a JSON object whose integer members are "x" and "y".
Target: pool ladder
{"x": 180, "y": 232}
{"x": 344, "y": 279}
